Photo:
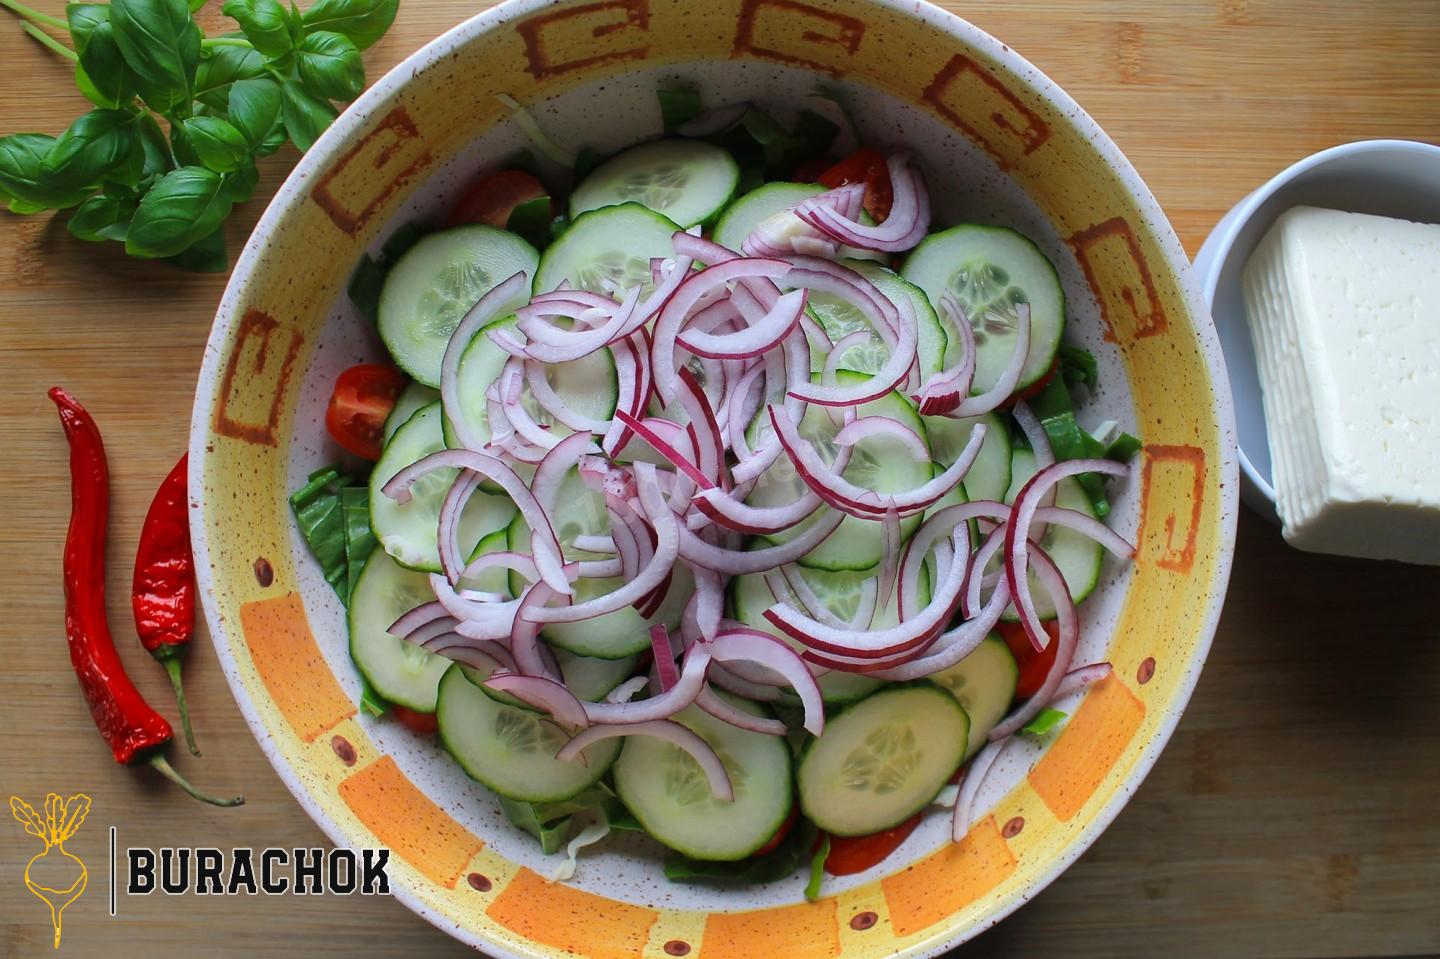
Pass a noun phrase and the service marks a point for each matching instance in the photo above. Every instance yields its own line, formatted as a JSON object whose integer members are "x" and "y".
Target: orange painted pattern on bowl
{"x": 352, "y": 185}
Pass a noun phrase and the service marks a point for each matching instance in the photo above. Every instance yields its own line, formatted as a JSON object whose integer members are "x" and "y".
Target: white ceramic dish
{"x": 1396, "y": 178}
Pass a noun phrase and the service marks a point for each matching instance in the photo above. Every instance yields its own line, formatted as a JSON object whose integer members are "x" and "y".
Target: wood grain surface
{"x": 1294, "y": 812}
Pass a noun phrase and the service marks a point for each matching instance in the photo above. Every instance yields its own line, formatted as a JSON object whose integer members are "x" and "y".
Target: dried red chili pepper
{"x": 136, "y": 733}
{"x": 163, "y": 594}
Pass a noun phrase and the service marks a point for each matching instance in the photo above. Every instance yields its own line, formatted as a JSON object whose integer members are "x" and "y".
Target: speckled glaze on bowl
{"x": 1001, "y": 144}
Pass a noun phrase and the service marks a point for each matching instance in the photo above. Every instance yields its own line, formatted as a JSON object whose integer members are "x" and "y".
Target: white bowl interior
{"x": 965, "y": 185}
{"x": 1394, "y": 178}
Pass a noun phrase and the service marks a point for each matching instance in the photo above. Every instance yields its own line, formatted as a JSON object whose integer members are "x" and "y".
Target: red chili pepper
{"x": 163, "y": 594}
{"x": 137, "y": 734}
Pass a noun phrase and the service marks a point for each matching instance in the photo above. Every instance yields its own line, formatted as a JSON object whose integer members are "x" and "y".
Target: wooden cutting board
{"x": 1294, "y": 812}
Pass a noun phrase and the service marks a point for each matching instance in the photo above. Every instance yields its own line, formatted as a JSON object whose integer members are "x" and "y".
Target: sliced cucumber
{"x": 840, "y": 592}
{"x": 688, "y": 181}
{"x": 670, "y": 796}
{"x": 880, "y": 463}
{"x": 496, "y": 579}
{"x": 591, "y": 679}
{"x": 984, "y": 682}
{"x": 989, "y": 475}
{"x": 840, "y": 317}
{"x": 989, "y": 270}
{"x": 512, "y": 750}
{"x": 883, "y": 759}
{"x": 607, "y": 250}
{"x": 410, "y": 531}
{"x": 434, "y": 285}
{"x": 774, "y": 200}
{"x": 587, "y": 385}
{"x": 411, "y": 398}
{"x": 399, "y": 671}
{"x": 1078, "y": 556}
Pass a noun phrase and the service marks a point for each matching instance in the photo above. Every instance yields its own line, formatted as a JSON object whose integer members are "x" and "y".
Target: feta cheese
{"x": 1344, "y": 312}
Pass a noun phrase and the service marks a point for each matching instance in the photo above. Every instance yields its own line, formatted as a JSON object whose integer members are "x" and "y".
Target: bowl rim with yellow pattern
{"x": 355, "y": 178}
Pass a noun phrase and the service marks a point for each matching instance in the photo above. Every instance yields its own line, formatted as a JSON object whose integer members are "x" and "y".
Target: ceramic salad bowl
{"x": 1001, "y": 144}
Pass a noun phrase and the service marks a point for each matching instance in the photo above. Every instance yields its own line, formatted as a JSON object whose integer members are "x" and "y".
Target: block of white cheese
{"x": 1344, "y": 311}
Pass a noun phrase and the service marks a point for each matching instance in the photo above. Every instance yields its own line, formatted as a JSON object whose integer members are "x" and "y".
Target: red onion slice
{"x": 696, "y": 551}
{"x": 975, "y": 777}
{"x": 1086, "y": 525}
{"x": 668, "y": 730}
{"x": 647, "y": 431}
{"x": 942, "y": 393}
{"x": 739, "y": 718}
{"x": 421, "y": 615}
{"x": 907, "y": 223}
{"x": 1080, "y": 678}
{"x": 1017, "y": 541}
{"x": 1068, "y": 631}
{"x": 627, "y": 690}
{"x": 1009, "y": 377}
{"x": 866, "y": 427}
{"x": 486, "y": 309}
{"x": 664, "y": 657}
{"x": 667, "y": 703}
{"x": 545, "y": 547}
{"x": 765, "y": 334}
{"x": 763, "y": 649}
{"x": 543, "y": 694}
{"x": 952, "y": 646}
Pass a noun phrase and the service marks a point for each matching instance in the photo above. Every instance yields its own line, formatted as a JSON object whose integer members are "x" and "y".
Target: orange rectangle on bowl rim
{"x": 571, "y": 919}
{"x": 943, "y": 883}
{"x": 290, "y": 663}
{"x": 408, "y": 823}
{"x": 809, "y": 930}
{"x": 1087, "y": 749}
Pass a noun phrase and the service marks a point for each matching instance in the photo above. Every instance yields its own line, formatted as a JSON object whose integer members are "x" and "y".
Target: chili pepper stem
{"x": 172, "y": 666}
{"x": 34, "y": 15}
{"x": 49, "y": 41}
{"x": 162, "y": 766}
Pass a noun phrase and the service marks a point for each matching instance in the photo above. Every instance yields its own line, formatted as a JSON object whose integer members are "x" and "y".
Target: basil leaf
{"x": 317, "y": 510}
{"x": 399, "y": 243}
{"x": 370, "y": 700}
{"x": 161, "y": 43}
{"x": 1046, "y": 720}
{"x": 330, "y": 65}
{"x": 363, "y": 21}
{"x": 240, "y": 184}
{"x": 89, "y": 90}
{"x": 156, "y": 150}
{"x": 254, "y": 106}
{"x": 360, "y": 539}
{"x": 196, "y": 5}
{"x": 678, "y": 105}
{"x": 216, "y": 142}
{"x": 306, "y": 115}
{"x": 264, "y": 23}
{"x": 203, "y": 256}
{"x": 221, "y": 67}
{"x": 104, "y": 65}
{"x": 95, "y": 144}
{"x": 103, "y": 217}
{"x": 180, "y": 145}
{"x": 28, "y": 191}
{"x": 184, "y": 206}
{"x": 274, "y": 140}
{"x": 1078, "y": 366}
{"x": 551, "y": 834}
{"x": 83, "y": 19}
{"x": 531, "y": 220}
{"x": 364, "y": 287}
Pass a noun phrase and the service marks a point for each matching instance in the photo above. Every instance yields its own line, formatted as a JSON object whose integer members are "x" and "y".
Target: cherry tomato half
{"x": 865, "y": 166}
{"x": 363, "y": 396}
{"x": 495, "y": 197}
{"x": 852, "y": 854}
{"x": 422, "y": 724}
{"x": 1034, "y": 666}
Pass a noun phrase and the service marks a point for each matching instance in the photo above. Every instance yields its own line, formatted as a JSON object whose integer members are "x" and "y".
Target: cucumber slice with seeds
{"x": 989, "y": 270}
{"x": 883, "y": 759}
{"x": 607, "y": 250}
{"x": 512, "y": 750}
{"x": 433, "y": 286}
{"x": 410, "y": 531}
{"x": 399, "y": 671}
{"x": 1078, "y": 556}
{"x": 989, "y": 475}
{"x": 840, "y": 317}
{"x": 407, "y": 404}
{"x": 984, "y": 683}
{"x": 880, "y": 463}
{"x": 688, "y": 181}
{"x": 668, "y": 793}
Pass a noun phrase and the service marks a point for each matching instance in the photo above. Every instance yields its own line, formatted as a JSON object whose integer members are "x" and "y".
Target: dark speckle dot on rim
{"x": 343, "y": 749}
{"x": 1146, "y": 671}
{"x": 1013, "y": 827}
{"x": 863, "y": 920}
{"x": 677, "y": 947}
{"x": 479, "y": 883}
{"x": 264, "y": 572}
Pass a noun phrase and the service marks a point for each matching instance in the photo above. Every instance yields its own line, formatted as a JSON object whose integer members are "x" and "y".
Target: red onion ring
{"x": 668, "y": 730}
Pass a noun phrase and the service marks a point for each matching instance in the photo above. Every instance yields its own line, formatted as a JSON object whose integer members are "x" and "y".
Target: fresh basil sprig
{"x": 225, "y": 101}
